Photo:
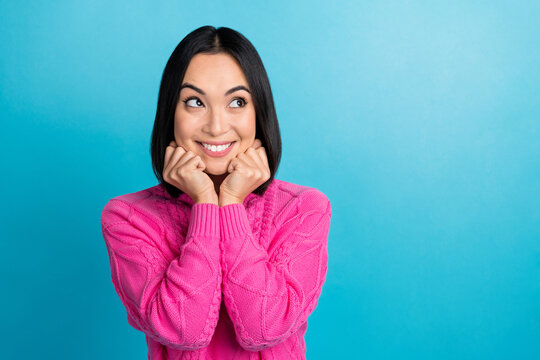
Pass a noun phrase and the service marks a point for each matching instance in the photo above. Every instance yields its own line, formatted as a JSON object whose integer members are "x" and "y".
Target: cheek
{"x": 247, "y": 125}
{"x": 183, "y": 126}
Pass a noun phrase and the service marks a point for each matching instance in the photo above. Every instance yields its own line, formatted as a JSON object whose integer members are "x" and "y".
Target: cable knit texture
{"x": 209, "y": 282}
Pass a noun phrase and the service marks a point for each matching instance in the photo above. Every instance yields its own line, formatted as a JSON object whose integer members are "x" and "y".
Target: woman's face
{"x": 215, "y": 106}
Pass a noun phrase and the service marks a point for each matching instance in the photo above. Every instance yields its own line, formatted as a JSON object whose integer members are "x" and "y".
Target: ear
{"x": 256, "y": 144}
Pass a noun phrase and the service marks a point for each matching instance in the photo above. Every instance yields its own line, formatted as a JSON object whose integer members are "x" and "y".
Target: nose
{"x": 216, "y": 123}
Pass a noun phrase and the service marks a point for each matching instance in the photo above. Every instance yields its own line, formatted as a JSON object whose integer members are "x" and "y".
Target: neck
{"x": 217, "y": 180}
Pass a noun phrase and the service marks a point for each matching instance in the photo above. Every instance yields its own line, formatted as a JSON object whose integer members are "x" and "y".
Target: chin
{"x": 213, "y": 171}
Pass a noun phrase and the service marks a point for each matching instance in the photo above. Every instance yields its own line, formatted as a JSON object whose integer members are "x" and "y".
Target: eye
{"x": 193, "y": 102}
{"x": 238, "y": 102}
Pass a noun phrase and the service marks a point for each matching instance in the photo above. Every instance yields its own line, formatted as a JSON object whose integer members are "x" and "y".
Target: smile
{"x": 216, "y": 150}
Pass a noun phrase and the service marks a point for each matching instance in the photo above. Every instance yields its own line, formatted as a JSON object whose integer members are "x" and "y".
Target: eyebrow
{"x": 230, "y": 91}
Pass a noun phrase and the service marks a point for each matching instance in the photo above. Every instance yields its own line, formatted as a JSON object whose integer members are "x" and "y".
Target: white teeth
{"x": 216, "y": 148}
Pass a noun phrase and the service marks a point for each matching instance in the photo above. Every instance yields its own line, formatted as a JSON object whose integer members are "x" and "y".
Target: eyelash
{"x": 196, "y": 98}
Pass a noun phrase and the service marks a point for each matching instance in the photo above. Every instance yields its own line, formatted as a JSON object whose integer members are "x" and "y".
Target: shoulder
{"x": 141, "y": 205}
{"x": 297, "y": 212}
{"x": 287, "y": 191}
{"x": 294, "y": 198}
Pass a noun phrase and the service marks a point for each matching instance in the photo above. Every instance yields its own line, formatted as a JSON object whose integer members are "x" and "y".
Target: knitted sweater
{"x": 209, "y": 282}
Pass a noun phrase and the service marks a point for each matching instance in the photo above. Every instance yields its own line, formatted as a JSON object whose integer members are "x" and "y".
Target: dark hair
{"x": 209, "y": 40}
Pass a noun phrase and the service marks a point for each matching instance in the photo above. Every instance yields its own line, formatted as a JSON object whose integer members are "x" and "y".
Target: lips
{"x": 217, "y": 153}
{"x": 216, "y": 142}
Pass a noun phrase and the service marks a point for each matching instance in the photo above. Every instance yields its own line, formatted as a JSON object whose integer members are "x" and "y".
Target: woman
{"x": 219, "y": 260}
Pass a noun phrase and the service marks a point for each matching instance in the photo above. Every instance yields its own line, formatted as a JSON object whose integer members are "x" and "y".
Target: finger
{"x": 244, "y": 166}
{"x": 232, "y": 165}
{"x": 250, "y": 167}
{"x": 195, "y": 162}
{"x": 256, "y": 144}
{"x": 258, "y": 159}
{"x": 257, "y": 163}
{"x": 250, "y": 158}
{"x": 262, "y": 154}
{"x": 185, "y": 158}
{"x": 169, "y": 150}
{"x": 241, "y": 162}
{"x": 177, "y": 154}
{"x": 253, "y": 157}
{"x": 201, "y": 165}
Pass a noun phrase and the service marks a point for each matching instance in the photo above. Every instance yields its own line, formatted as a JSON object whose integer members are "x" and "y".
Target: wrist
{"x": 225, "y": 199}
{"x": 206, "y": 199}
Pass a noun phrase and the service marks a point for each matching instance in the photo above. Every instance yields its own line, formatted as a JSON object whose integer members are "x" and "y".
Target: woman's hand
{"x": 184, "y": 170}
{"x": 247, "y": 171}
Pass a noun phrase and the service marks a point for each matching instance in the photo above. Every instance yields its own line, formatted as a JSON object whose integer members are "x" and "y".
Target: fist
{"x": 185, "y": 170}
{"x": 247, "y": 171}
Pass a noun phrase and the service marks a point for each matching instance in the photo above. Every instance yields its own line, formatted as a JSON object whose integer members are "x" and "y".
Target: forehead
{"x": 214, "y": 71}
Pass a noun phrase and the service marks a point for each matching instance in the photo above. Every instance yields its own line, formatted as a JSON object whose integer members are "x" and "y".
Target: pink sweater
{"x": 171, "y": 261}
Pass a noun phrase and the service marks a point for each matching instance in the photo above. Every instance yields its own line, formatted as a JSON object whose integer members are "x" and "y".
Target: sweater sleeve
{"x": 269, "y": 299}
{"x": 175, "y": 301}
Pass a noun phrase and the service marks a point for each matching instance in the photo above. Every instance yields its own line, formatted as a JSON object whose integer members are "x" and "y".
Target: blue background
{"x": 418, "y": 119}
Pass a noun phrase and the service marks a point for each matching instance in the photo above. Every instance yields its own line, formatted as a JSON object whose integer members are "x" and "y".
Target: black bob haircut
{"x": 209, "y": 40}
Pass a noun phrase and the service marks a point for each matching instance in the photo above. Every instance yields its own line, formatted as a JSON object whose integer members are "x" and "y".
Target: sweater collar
{"x": 187, "y": 199}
